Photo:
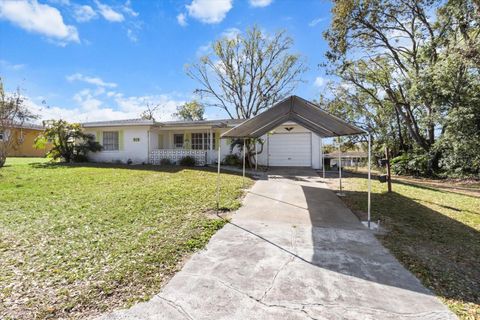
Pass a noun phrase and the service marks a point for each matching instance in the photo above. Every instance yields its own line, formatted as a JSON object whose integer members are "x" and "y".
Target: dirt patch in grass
{"x": 79, "y": 240}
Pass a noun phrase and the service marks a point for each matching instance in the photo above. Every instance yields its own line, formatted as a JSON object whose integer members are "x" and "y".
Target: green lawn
{"x": 77, "y": 240}
{"x": 434, "y": 233}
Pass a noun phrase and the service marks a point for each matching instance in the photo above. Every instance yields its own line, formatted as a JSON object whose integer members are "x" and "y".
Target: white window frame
{"x": 202, "y": 140}
{"x": 178, "y": 145}
{"x": 111, "y": 145}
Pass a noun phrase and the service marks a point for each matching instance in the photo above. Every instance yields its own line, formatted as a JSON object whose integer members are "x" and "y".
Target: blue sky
{"x": 104, "y": 60}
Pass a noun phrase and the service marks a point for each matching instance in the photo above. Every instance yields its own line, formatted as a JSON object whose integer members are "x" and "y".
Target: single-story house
{"x": 349, "y": 158}
{"x": 147, "y": 141}
{"x": 23, "y": 144}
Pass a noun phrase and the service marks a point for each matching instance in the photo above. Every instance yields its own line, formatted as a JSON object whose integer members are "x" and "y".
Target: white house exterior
{"x": 145, "y": 141}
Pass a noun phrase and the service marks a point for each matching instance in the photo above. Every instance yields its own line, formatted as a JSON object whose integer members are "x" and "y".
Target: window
{"x": 178, "y": 140}
{"x": 110, "y": 140}
{"x": 197, "y": 141}
{"x": 201, "y": 141}
{"x": 1, "y": 135}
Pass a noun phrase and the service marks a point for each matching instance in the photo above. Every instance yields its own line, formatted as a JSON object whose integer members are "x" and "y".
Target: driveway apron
{"x": 293, "y": 251}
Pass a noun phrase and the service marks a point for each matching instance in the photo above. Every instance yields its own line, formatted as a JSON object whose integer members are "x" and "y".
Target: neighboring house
{"x": 349, "y": 158}
{"x": 147, "y": 141}
{"x": 24, "y": 141}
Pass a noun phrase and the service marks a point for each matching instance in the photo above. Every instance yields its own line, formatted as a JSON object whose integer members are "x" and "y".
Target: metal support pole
{"x": 323, "y": 158}
{"x": 244, "y": 154}
{"x": 369, "y": 179}
{"x": 218, "y": 175}
{"x": 256, "y": 161}
{"x": 340, "y": 164}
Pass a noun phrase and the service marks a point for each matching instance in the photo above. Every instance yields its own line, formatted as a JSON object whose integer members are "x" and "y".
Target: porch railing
{"x": 175, "y": 155}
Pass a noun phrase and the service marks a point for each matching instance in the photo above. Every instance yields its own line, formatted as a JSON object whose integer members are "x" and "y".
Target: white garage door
{"x": 290, "y": 150}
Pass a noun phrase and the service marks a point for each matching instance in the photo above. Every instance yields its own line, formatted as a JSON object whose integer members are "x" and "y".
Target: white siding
{"x": 135, "y": 151}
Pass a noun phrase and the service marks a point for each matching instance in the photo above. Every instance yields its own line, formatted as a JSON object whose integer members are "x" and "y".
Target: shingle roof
{"x": 114, "y": 123}
{"x": 27, "y": 125}
{"x": 180, "y": 123}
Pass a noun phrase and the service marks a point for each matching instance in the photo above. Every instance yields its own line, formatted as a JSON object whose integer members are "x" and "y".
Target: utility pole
{"x": 389, "y": 174}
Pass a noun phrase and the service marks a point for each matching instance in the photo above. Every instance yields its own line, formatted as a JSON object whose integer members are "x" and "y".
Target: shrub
{"x": 410, "y": 164}
{"x": 232, "y": 160}
{"x": 165, "y": 162}
{"x": 80, "y": 158}
{"x": 187, "y": 161}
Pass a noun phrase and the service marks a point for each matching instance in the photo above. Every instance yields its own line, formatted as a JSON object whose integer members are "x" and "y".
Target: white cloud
{"x": 319, "y": 82}
{"x": 84, "y": 13}
{"x": 14, "y": 66}
{"x": 230, "y": 33}
{"x": 127, "y": 8}
{"x": 132, "y": 35}
{"x": 208, "y": 11}
{"x": 39, "y": 18}
{"x": 316, "y": 21}
{"x": 91, "y": 80}
{"x": 260, "y": 3}
{"x": 110, "y": 106}
{"x": 108, "y": 13}
{"x": 87, "y": 100}
{"x": 182, "y": 19}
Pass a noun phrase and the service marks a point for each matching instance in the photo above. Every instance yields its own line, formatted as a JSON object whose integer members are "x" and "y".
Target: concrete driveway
{"x": 293, "y": 251}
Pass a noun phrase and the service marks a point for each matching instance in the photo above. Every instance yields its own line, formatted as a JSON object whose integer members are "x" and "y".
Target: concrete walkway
{"x": 293, "y": 251}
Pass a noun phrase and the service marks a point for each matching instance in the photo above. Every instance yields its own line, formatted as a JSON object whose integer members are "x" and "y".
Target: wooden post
{"x": 389, "y": 175}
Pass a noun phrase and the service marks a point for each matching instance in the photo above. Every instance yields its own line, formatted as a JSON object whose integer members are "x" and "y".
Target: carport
{"x": 303, "y": 112}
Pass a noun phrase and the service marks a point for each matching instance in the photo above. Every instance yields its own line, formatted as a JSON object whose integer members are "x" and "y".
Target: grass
{"x": 433, "y": 232}
{"x": 77, "y": 240}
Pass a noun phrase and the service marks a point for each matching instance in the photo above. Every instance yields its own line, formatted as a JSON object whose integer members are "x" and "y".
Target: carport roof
{"x": 296, "y": 109}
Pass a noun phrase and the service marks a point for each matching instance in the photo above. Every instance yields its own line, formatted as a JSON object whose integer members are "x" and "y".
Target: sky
{"x": 97, "y": 60}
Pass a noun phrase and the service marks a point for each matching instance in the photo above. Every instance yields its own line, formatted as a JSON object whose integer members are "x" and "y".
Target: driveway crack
{"x": 291, "y": 259}
{"x": 177, "y": 307}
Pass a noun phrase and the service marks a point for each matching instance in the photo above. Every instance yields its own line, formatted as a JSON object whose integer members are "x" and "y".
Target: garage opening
{"x": 290, "y": 150}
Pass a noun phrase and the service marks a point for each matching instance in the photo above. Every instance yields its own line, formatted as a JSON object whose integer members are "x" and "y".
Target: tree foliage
{"x": 191, "y": 111}
{"x": 149, "y": 112}
{"x": 409, "y": 73}
{"x": 247, "y": 73}
{"x": 69, "y": 142}
{"x": 13, "y": 114}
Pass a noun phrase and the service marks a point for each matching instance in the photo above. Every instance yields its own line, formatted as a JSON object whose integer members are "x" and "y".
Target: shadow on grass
{"x": 443, "y": 252}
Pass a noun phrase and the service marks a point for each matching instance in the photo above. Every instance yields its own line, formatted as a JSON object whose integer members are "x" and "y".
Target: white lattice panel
{"x": 175, "y": 155}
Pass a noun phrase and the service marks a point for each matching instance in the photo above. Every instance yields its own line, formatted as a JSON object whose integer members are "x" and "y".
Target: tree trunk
{"x": 3, "y": 156}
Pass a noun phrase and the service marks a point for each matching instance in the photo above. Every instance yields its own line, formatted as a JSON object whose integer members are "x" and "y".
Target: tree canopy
{"x": 247, "y": 73}
{"x": 13, "y": 114}
{"x": 409, "y": 73}
{"x": 190, "y": 111}
{"x": 69, "y": 142}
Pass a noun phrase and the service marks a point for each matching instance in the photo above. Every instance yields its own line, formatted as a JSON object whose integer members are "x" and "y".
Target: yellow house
{"x": 24, "y": 141}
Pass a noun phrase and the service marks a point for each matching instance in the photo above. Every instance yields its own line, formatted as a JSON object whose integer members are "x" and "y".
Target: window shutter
{"x": 99, "y": 137}
{"x": 120, "y": 140}
{"x": 160, "y": 141}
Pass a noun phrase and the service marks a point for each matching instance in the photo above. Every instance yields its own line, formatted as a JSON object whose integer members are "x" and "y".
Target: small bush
{"x": 410, "y": 164}
{"x": 187, "y": 161}
{"x": 232, "y": 160}
{"x": 80, "y": 158}
{"x": 165, "y": 162}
